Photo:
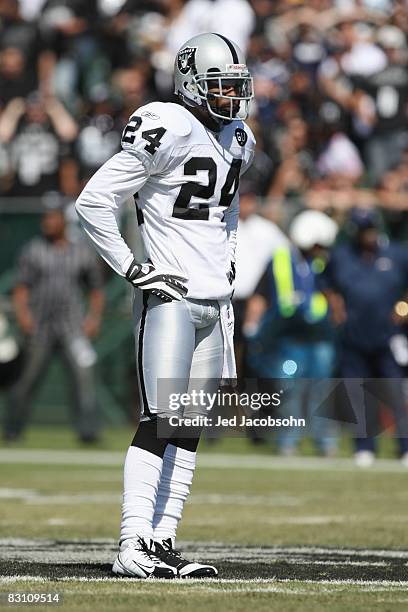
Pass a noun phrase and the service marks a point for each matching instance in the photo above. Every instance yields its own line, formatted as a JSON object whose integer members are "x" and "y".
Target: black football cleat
{"x": 184, "y": 568}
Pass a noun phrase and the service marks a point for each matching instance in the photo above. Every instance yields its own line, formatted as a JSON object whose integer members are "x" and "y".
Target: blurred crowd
{"x": 331, "y": 84}
{"x": 330, "y": 118}
{"x": 322, "y": 316}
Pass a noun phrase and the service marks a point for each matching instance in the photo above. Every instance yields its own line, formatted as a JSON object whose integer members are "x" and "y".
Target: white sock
{"x": 174, "y": 487}
{"x": 141, "y": 480}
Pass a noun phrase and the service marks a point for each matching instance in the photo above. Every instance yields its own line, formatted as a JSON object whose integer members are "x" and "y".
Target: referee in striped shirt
{"x": 52, "y": 274}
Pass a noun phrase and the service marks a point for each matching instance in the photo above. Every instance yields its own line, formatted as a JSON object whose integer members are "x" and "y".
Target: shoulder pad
{"x": 171, "y": 116}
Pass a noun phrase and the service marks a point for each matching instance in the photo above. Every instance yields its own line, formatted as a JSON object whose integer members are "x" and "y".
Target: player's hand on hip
{"x": 167, "y": 287}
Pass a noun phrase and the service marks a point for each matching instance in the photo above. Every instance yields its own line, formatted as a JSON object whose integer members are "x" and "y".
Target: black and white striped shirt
{"x": 57, "y": 277}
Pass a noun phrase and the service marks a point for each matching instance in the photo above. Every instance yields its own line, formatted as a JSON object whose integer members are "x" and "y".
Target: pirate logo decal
{"x": 186, "y": 59}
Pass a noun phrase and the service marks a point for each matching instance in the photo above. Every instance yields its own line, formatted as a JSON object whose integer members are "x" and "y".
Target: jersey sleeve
{"x": 152, "y": 133}
{"x": 249, "y": 152}
{"x": 231, "y": 219}
{"x": 118, "y": 179}
{"x": 232, "y": 213}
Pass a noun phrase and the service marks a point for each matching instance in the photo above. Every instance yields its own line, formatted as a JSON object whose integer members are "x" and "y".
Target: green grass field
{"x": 287, "y": 534}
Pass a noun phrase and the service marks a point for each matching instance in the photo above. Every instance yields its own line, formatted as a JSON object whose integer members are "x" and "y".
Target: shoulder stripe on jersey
{"x": 230, "y": 47}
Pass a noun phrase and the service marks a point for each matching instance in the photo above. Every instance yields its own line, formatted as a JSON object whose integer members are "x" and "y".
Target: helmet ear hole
{"x": 191, "y": 87}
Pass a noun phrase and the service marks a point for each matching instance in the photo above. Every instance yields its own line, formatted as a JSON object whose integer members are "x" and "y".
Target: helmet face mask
{"x": 227, "y": 96}
{"x": 210, "y": 72}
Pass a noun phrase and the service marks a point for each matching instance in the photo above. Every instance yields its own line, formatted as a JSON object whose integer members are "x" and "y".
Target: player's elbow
{"x": 81, "y": 204}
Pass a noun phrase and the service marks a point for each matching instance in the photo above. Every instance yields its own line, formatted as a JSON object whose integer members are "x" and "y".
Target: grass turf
{"x": 280, "y": 507}
{"x": 204, "y": 597}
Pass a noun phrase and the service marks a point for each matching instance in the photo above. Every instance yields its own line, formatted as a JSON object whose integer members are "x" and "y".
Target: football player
{"x": 182, "y": 162}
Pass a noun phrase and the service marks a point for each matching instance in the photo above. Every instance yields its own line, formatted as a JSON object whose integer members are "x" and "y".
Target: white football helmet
{"x": 207, "y": 66}
{"x": 312, "y": 227}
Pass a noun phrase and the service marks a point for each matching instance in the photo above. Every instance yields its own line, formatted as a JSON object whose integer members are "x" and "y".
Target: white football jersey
{"x": 185, "y": 181}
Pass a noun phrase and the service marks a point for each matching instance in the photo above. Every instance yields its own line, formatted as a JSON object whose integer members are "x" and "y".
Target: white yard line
{"x": 191, "y": 584}
{"x": 216, "y": 461}
{"x": 245, "y": 500}
{"x": 33, "y": 496}
{"x": 219, "y": 461}
{"x": 394, "y": 601}
{"x": 61, "y": 457}
{"x": 225, "y": 461}
{"x": 227, "y": 549}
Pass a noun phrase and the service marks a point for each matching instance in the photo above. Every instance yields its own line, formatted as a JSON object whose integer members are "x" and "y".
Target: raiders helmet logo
{"x": 186, "y": 59}
{"x": 241, "y": 136}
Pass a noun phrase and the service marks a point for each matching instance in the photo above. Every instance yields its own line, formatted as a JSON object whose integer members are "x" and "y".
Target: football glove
{"x": 231, "y": 273}
{"x": 167, "y": 287}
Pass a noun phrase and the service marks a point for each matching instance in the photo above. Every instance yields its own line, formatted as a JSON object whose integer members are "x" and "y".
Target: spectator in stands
{"x": 99, "y": 135}
{"x": 51, "y": 274}
{"x": 71, "y": 32}
{"x": 263, "y": 165}
{"x": 22, "y": 54}
{"x": 37, "y": 132}
{"x": 271, "y": 77}
{"x": 339, "y": 158}
{"x": 362, "y": 56}
{"x": 293, "y": 174}
{"x": 381, "y": 102}
{"x": 365, "y": 279}
{"x": 132, "y": 87}
{"x": 290, "y": 334}
{"x": 15, "y": 79}
{"x": 392, "y": 195}
{"x": 332, "y": 78}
